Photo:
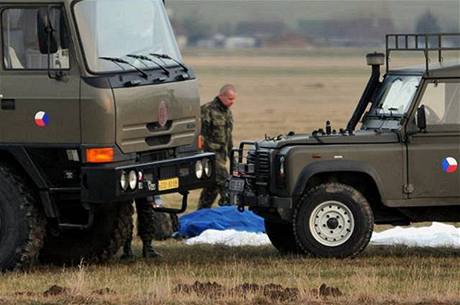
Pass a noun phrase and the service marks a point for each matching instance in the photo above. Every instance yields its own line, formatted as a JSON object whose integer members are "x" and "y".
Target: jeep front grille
{"x": 261, "y": 161}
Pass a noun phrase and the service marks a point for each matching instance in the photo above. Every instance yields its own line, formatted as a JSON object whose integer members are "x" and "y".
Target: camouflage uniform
{"x": 145, "y": 229}
{"x": 216, "y": 128}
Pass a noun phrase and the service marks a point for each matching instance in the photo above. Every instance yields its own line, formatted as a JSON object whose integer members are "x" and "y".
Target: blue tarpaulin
{"x": 222, "y": 218}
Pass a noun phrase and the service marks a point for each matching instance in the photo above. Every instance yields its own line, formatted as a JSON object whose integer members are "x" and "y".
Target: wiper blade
{"x": 166, "y": 56}
{"x": 143, "y": 57}
{"x": 122, "y": 61}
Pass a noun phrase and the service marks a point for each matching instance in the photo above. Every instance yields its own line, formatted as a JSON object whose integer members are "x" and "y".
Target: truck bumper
{"x": 102, "y": 183}
{"x": 241, "y": 195}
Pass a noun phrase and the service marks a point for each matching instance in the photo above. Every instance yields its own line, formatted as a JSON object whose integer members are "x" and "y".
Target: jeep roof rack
{"x": 425, "y": 43}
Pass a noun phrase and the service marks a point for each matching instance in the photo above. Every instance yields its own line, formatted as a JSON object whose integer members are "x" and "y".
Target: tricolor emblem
{"x": 41, "y": 119}
{"x": 449, "y": 165}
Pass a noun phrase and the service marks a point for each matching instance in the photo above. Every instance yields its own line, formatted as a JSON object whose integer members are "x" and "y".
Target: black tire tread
{"x": 27, "y": 254}
{"x": 282, "y": 237}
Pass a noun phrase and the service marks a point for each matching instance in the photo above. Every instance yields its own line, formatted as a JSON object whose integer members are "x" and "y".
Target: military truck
{"x": 395, "y": 162}
{"x": 96, "y": 110}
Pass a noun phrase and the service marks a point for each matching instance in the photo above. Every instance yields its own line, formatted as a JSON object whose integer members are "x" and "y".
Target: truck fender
{"x": 331, "y": 166}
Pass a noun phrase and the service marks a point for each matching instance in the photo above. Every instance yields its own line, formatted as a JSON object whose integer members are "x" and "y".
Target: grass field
{"x": 278, "y": 91}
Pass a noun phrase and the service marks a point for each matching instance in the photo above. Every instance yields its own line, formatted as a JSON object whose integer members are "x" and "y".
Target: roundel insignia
{"x": 449, "y": 165}
{"x": 41, "y": 119}
{"x": 162, "y": 114}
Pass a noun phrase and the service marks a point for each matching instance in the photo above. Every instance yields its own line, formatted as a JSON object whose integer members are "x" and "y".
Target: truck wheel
{"x": 333, "y": 220}
{"x": 110, "y": 230}
{"x": 22, "y": 226}
{"x": 282, "y": 237}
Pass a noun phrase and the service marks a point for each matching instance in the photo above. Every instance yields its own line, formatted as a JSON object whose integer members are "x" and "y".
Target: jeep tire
{"x": 333, "y": 220}
{"x": 22, "y": 226}
{"x": 111, "y": 228}
{"x": 282, "y": 237}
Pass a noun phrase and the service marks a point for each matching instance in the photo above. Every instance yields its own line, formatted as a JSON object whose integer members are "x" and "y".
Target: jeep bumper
{"x": 102, "y": 183}
{"x": 241, "y": 195}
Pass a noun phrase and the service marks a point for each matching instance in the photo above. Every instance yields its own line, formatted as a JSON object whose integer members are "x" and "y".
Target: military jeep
{"x": 96, "y": 110}
{"x": 396, "y": 162}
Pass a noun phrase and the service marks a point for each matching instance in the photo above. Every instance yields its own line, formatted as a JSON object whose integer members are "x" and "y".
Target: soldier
{"x": 216, "y": 129}
{"x": 145, "y": 229}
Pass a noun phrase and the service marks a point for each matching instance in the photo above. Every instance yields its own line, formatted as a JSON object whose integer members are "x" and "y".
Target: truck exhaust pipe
{"x": 375, "y": 60}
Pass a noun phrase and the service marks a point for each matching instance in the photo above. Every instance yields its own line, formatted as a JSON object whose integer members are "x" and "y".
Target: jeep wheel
{"x": 333, "y": 220}
{"x": 282, "y": 237}
{"x": 111, "y": 228}
{"x": 22, "y": 226}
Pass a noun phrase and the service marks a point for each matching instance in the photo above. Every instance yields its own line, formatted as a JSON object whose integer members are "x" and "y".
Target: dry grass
{"x": 379, "y": 276}
{"x": 278, "y": 92}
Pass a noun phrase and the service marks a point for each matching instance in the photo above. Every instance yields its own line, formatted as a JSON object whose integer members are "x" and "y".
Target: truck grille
{"x": 146, "y": 136}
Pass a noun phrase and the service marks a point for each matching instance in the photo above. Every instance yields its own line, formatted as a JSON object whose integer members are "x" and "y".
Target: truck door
{"x": 37, "y": 106}
{"x": 433, "y": 156}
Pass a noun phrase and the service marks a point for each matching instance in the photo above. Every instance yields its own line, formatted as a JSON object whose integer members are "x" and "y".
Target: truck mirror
{"x": 421, "y": 118}
{"x": 64, "y": 33}
{"x": 46, "y": 39}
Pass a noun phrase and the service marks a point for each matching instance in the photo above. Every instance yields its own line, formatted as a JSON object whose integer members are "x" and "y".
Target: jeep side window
{"x": 21, "y": 44}
{"x": 442, "y": 104}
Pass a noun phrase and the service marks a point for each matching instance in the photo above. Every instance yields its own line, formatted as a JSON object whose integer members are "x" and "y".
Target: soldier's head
{"x": 227, "y": 95}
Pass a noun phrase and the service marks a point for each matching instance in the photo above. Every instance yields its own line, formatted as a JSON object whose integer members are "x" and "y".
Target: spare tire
{"x": 164, "y": 224}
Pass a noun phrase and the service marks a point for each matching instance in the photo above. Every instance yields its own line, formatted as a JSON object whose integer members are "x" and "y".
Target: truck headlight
{"x": 124, "y": 181}
{"x": 199, "y": 169}
{"x": 207, "y": 167}
{"x": 132, "y": 180}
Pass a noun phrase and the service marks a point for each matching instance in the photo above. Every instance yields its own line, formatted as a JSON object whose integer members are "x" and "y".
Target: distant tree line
{"x": 358, "y": 32}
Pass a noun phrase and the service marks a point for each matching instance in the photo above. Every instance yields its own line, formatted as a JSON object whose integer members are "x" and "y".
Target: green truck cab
{"x": 97, "y": 109}
{"x": 322, "y": 193}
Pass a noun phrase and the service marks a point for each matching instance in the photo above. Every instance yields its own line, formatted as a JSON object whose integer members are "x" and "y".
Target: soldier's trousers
{"x": 209, "y": 194}
{"x": 145, "y": 225}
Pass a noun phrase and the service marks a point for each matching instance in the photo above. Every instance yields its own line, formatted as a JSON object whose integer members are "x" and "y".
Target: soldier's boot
{"x": 127, "y": 250}
{"x": 148, "y": 251}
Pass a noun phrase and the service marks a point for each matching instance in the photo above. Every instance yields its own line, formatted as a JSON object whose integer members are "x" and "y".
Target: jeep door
{"x": 37, "y": 107}
{"x": 433, "y": 155}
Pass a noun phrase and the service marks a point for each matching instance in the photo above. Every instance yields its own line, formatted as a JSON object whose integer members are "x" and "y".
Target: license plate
{"x": 236, "y": 185}
{"x": 168, "y": 184}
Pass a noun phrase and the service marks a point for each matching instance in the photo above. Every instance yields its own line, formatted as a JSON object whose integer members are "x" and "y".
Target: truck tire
{"x": 282, "y": 237}
{"x": 333, "y": 220}
{"x": 110, "y": 230}
{"x": 22, "y": 226}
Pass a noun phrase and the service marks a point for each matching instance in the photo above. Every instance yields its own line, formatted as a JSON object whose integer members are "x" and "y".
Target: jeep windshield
{"x": 118, "y": 28}
{"x": 391, "y": 102}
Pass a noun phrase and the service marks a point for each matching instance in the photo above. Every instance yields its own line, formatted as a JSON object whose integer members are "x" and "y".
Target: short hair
{"x": 226, "y": 88}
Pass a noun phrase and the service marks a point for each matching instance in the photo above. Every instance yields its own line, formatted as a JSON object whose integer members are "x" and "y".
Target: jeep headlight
{"x": 199, "y": 169}
{"x": 282, "y": 166}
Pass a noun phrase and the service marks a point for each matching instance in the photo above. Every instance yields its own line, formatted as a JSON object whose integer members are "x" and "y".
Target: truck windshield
{"x": 117, "y": 28}
{"x": 392, "y": 102}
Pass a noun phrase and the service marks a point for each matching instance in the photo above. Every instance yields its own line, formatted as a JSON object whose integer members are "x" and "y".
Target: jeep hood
{"x": 360, "y": 137}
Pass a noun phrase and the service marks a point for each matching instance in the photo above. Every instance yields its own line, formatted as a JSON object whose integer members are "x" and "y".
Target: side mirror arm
{"x": 421, "y": 118}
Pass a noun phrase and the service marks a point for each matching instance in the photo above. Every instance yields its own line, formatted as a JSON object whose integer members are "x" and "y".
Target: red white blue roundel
{"x": 449, "y": 165}
{"x": 41, "y": 119}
